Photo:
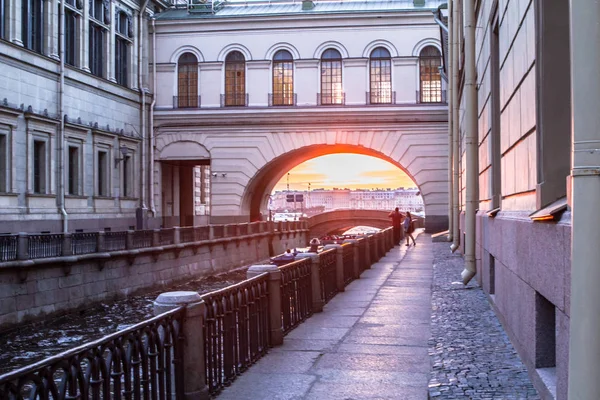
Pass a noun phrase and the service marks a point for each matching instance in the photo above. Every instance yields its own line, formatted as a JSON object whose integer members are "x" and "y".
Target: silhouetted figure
{"x": 408, "y": 229}
{"x": 396, "y": 217}
{"x": 314, "y": 245}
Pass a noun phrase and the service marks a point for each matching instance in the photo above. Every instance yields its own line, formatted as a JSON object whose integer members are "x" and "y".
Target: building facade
{"x": 523, "y": 223}
{"x": 254, "y": 89}
{"x": 73, "y": 114}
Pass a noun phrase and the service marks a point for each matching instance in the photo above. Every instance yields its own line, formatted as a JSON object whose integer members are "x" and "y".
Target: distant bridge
{"x": 339, "y": 221}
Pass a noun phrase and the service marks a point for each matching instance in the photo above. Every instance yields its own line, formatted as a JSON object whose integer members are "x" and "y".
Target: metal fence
{"x": 327, "y": 273}
{"x": 8, "y": 247}
{"x": 166, "y": 237}
{"x": 362, "y": 255}
{"x": 84, "y": 242}
{"x": 143, "y": 361}
{"x": 45, "y": 245}
{"x": 114, "y": 241}
{"x": 236, "y": 330}
{"x": 296, "y": 293}
{"x": 348, "y": 257}
{"x": 142, "y": 239}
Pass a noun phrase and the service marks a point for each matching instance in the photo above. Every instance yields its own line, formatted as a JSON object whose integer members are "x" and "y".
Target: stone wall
{"x": 41, "y": 290}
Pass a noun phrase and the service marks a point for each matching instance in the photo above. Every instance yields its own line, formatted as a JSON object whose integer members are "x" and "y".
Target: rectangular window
{"x": 102, "y": 189}
{"x": 39, "y": 167}
{"x": 496, "y": 183}
{"x": 71, "y": 37}
{"x": 32, "y": 28}
{"x": 3, "y": 18}
{"x": 3, "y": 164}
{"x": 96, "y": 49}
{"x": 73, "y": 178}
{"x": 127, "y": 176}
{"x": 121, "y": 60}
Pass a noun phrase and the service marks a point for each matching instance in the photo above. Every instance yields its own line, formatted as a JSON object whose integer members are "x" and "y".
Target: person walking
{"x": 396, "y": 217}
{"x": 408, "y": 228}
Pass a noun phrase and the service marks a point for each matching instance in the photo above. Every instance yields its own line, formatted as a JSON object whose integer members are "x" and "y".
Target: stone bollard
{"x": 176, "y": 235}
{"x": 23, "y": 246}
{"x": 129, "y": 240}
{"x": 368, "y": 260}
{"x": 211, "y": 232}
{"x": 276, "y": 334}
{"x": 67, "y": 244}
{"x": 194, "y": 379}
{"x": 155, "y": 237}
{"x": 101, "y": 242}
{"x": 315, "y": 278}
{"x": 339, "y": 265}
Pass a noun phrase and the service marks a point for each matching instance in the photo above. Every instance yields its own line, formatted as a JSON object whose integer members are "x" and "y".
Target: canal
{"x": 34, "y": 342}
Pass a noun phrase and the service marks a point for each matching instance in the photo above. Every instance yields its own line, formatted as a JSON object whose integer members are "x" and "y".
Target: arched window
{"x": 187, "y": 81}
{"x": 235, "y": 79}
{"x": 283, "y": 79}
{"x": 430, "y": 61}
{"x": 381, "y": 76}
{"x": 331, "y": 77}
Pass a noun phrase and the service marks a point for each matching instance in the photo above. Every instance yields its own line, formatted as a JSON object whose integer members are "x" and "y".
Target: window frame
{"x": 282, "y": 78}
{"x": 4, "y": 14}
{"x": 126, "y": 173}
{"x": 102, "y": 180}
{"x": 5, "y": 161}
{"x": 332, "y": 68}
{"x": 78, "y": 178}
{"x": 375, "y": 94}
{"x": 123, "y": 43}
{"x": 187, "y": 79}
{"x": 434, "y": 94}
{"x": 33, "y": 13}
{"x": 235, "y": 92}
{"x": 98, "y": 30}
{"x": 40, "y": 182}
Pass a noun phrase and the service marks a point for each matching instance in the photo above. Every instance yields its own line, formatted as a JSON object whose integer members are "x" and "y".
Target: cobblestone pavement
{"x": 472, "y": 358}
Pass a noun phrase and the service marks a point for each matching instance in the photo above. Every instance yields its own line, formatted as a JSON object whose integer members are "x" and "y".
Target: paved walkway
{"x": 370, "y": 342}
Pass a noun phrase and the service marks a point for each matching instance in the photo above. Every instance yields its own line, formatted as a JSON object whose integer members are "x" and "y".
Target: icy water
{"x": 34, "y": 342}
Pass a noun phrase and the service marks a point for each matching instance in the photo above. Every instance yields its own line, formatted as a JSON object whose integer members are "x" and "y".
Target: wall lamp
{"x": 124, "y": 151}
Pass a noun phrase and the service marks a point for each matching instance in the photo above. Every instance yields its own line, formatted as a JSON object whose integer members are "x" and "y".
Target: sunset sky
{"x": 353, "y": 171}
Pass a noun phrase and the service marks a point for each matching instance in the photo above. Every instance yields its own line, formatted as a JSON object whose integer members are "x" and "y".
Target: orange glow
{"x": 352, "y": 171}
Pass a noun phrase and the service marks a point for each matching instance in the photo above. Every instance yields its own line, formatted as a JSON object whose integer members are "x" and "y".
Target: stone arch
{"x": 234, "y": 46}
{"x": 183, "y": 150}
{"x": 282, "y": 46}
{"x": 380, "y": 43}
{"x": 265, "y": 179}
{"x": 186, "y": 49}
{"x": 330, "y": 44}
{"x": 424, "y": 43}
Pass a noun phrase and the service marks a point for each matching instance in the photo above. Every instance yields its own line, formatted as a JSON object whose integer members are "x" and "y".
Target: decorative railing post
{"x": 129, "y": 240}
{"x": 211, "y": 232}
{"x": 67, "y": 249}
{"x": 155, "y": 237}
{"x": 315, "y": 277}
{"x": 276, "y": 327}
{"x": 23, "y": 246}
{"x": 194, "y": 371}
{"x": 339, "y": 265}
{"x": 176, "y": 234}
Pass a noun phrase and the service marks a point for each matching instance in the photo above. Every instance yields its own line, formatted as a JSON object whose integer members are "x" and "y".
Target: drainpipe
{"x": 61, "y": 112}
{"x": 143, "y": 111}
{"x": 151, "y": 149}
{"x": 584, "y": 341}
{"x": 471, "y": 142}
{"x": 450, "y": 122}
{"x": 455, "y": 130}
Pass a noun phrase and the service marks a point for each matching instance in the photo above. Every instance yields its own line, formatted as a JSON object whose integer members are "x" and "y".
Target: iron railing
{"x": 235, "y": 100}
{"x": 282, "y": 100}
{"x": 143, "y": 361}
{"x": 334, "y": 99}
{"x": 362, "y": 255}
{"x": 187, "y": 102}
{"x": 45, "y": 245}
{"x": 296, "y": 293}
{"x": 381, "y": 98}
{"x": 236, "y": 330}
{"x": 373, "y": 248}
{"x": 219, "y": 231}
{"x": 432, "y": 97}
{"x": 84, "y": 242}
{"x": 242, "y": 229}
{"x": 142, "y": 238}
{"x": 114, "y": 241}
{"x": 348, "y": 257}
{"x": 8, "y": 247}
{"x": 327, "y": 273}
{"x": 166, "y": 237}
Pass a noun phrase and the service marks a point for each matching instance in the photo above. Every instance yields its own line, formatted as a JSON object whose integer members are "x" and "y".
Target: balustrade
{"x": 45, "y": 245}
{"x": 8, "y": 247}
{"x": 84, "y": 242}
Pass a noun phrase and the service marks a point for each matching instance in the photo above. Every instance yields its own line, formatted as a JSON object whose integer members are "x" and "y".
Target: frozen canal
{"x": 31, "y": 343}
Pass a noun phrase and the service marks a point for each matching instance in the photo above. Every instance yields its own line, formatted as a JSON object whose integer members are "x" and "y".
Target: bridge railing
{"x": 143, "y": 361}
{"x": 25, "y": 246}
{"x": 233, "y": 329}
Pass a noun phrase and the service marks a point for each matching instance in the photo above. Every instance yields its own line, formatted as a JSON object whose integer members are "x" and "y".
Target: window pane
{"x": 187, "y": 81}
{"x": 235, "y": 79}
{"x": 102, "y": 173}
{"x": 3, "y": 164}
{"x": 283, "y": 83}
{"x": 39, "y": 166}
{"x": 331, "y": 82}
{"x": 431, "y": 80}
{"x": 73, "y": 181}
